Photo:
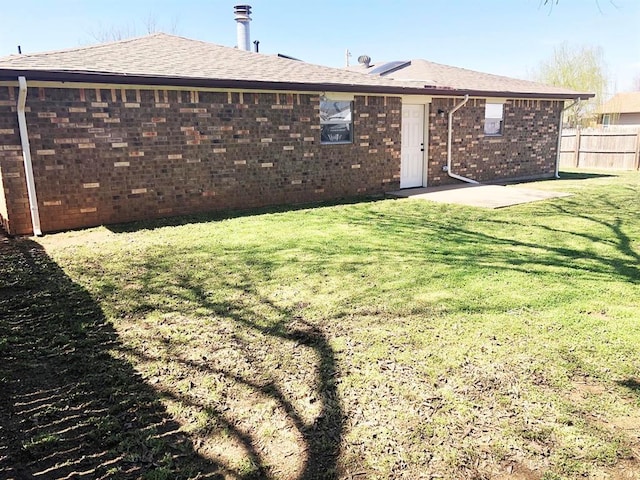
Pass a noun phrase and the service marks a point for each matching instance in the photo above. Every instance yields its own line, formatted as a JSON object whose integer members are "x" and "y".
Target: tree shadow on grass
{"x": 242, "y": 341}
{"x": 69, "y": 407}
{"x": 618, "y": 223}
{"x": 633, "y": 384}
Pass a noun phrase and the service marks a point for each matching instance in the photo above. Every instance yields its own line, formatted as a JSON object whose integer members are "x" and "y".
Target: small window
{"x": 493, "y": 118}
{"x": 606, "y": 120}
{"x": 336, "y": 125}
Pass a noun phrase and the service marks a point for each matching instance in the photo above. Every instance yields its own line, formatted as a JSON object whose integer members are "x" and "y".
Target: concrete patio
{"x": 484, "y": 196}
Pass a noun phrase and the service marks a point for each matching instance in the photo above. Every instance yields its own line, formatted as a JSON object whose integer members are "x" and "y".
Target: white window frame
{"x": 491, "y": 117}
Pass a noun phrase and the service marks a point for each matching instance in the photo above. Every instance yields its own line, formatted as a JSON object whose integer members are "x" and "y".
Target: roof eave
{"x": 532, "y": 95}
{"x": 617, "y": 112}
{"x": 123, "y": 79}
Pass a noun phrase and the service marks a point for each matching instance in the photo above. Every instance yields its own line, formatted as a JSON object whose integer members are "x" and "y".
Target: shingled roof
{"x": 438, "y": 75}
{"x": 162, "y": 59}
{"x": 627, "y": 102}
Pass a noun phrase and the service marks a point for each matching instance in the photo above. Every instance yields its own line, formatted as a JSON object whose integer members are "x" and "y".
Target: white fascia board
{"x": 416, "y": 99}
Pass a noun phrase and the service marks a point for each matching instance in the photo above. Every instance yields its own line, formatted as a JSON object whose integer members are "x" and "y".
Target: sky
{"x": 505, "y": 37}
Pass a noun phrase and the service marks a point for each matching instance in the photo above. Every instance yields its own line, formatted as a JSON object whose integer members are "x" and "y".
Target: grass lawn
{"x": 376, "y": 340}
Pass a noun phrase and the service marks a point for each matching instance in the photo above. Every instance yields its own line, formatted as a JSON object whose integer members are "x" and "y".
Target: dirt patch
{"x": 518, "y": 472}
{"x": 89, "y": 237}
{"x": 626, "y": 427}
{"x": 582, "y": 388}
{"x": 627, "y": 423}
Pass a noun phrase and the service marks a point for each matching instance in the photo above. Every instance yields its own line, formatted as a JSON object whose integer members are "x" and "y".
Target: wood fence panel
{"x": 567, "y": 159}
{"x": 607, "y": 161}
{"x": 610, "y": 149}
{"x": 568, "y": 143}
{"x": 608, "y": 143}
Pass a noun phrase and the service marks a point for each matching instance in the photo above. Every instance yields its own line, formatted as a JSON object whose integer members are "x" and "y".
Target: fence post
{"x": 637, "y": 158}
{"x": 576, "y": 158}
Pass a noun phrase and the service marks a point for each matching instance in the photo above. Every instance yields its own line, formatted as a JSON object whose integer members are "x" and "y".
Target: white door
{"x": 412, "y": 148}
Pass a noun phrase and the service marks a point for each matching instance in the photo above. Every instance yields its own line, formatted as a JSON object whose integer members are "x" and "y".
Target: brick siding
{"x": 527, "y": 148}
{"x": 103, "y": 156}
{"x": 15, "y": 216}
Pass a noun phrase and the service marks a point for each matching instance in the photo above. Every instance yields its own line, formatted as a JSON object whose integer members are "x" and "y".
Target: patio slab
{"x": 485, "y": 196}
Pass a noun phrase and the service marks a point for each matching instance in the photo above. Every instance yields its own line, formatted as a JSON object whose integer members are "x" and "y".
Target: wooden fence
{"x": 608, "y": 149}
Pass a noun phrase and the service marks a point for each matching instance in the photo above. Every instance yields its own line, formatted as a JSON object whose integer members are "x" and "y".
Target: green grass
{"x": 386, "y": 339}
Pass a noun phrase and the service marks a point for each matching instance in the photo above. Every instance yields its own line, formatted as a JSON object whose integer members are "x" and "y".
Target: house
{"x": 163, "y": 125}
{"x": 623, "y": 109}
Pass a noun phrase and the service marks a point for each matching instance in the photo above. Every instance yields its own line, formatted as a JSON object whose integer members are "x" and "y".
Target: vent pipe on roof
{"x": 364, "y": 60}
{"x": 242, "y": 13}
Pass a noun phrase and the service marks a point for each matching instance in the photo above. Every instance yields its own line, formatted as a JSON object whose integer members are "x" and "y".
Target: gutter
{"x": 194, "y": 82}
{"x": 557, "y": 172}
{"x": 26, "y": 155}
{"x": 450, "y": 141}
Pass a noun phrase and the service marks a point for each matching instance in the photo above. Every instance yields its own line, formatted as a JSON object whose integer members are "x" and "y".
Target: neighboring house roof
{"x": 628, "y": 102}
{"x": 462, "y": 79}
{"x": 161, "y": 59}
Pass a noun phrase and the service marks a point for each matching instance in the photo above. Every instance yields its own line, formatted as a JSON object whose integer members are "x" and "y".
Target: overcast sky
{"x": 507, "y": 37}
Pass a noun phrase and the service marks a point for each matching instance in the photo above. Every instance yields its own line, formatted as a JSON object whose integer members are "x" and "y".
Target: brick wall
{"x": 14, "y": 205}
{"x": 103, "y": 156}
{"x": 527, "y": 148}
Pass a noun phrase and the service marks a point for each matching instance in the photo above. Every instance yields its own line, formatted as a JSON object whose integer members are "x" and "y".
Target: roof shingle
{"x": 439, "y": 76}
{"x": 167, "y": 59}
{"x": 171, "y": 57}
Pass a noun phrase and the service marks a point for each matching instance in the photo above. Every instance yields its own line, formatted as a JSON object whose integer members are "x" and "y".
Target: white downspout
{"x": 26, "y": 155}
{"x": 450, "y": 141}
{"x": 557, "y": 173}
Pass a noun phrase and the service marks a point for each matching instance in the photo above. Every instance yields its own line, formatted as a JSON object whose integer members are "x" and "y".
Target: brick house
{"x": 162, "y": 125}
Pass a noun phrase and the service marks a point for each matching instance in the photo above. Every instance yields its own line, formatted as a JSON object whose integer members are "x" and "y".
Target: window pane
{"x": 492, "y": 126}
{"x": 493, "y": 110}
{"x": 335, "y": 132}
{"x": 335, "y": 122}
{"x": 493, "y": 115}
{"x": 335, "y": 112}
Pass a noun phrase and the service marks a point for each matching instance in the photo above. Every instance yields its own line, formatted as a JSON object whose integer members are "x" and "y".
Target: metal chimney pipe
{"x": 242, "y": 13}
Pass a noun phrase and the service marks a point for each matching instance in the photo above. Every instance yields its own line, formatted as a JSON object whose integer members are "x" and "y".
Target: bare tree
{"x": 114, "y": 33}
{"x": 581, "y": 69}
{"x": 551, "y": 3}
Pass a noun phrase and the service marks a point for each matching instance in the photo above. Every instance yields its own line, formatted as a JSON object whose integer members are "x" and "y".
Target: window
{"x": 606, "y": 120}
{"x": 493, "y": 118}
{"x": 336, "y": 125}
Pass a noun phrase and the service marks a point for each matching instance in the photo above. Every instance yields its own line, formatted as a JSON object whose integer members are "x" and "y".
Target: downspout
{"x": 450, "y": 141}
{"x": 557, "y": 173}
{"x": 26, "y": 155}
